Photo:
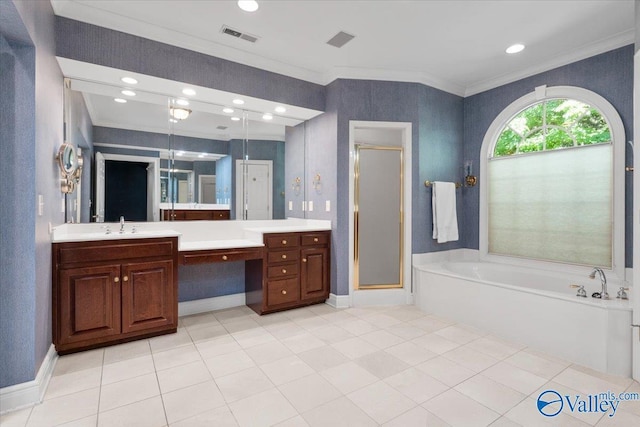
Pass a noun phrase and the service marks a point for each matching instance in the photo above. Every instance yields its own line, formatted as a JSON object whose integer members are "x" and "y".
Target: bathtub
{"x": 531, "y": 307}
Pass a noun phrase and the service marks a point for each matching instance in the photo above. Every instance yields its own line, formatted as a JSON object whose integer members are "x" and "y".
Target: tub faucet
{"x": 122, "y": 224}
{"x": 603, "y": 281}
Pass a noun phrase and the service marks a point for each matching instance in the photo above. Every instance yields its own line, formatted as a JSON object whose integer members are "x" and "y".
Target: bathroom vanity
{"x": 110, "y": 291}
{"x": 117, "y": 287}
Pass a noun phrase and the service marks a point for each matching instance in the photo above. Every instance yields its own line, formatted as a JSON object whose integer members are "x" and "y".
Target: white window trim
{"x": 618, "y": 140}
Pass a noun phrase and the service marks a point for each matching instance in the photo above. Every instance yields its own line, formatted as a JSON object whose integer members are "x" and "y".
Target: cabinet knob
{"x": 116, "y": 279}
{"x": 284, "y": 271}
{"x": 315, "y": 239}
{"x": 284, "y": 242}
{"x": 125, "y": 279}
{"x": 284, "y": 292}
{"x": 284, "y": 256}
{"x": 224, "y": 257}
{"x": 304, "y": 260}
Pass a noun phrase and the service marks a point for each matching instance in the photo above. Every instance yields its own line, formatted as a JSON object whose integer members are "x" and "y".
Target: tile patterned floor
{"x": 317, "y": 366}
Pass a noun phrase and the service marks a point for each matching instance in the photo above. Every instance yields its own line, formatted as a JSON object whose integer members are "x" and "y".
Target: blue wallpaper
{"x": 17, "y": 252}
{"x": 436, "y": 119}
{"x": 609, "y": 75}
{"x": 97, "y": 45}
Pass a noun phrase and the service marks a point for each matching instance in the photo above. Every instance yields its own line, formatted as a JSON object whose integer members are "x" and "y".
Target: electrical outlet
{"x": 290, "y": 205}
{"x": 310, "y": 205}
{"x": 327, "y": 206}
{"x": 40, "y": 204}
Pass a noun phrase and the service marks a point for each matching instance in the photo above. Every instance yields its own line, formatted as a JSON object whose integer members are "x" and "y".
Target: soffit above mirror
{"x": 148, "y": 111}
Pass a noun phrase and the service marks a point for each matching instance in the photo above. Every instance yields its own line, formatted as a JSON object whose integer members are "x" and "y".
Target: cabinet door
{"x": 148, "y": 296}
{"x": 89, "y": 303}
{"x": 314, "y": 282}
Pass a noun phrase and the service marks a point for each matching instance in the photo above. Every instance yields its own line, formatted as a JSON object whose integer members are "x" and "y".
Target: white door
{"x": 635, "y": 297}
{"x": 207, "y": 189}
{"x": 256, "y": 201}
{"x": 100, "y": 178}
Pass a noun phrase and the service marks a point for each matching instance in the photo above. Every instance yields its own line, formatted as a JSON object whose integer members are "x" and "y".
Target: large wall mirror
{"x": 166, "y": 150}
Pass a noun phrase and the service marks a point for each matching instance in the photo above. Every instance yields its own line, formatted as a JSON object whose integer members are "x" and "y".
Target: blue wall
{"x": 31, "y": 133}
{"x": 97, "y": 45}
{"x": 609, "y": 75}
{"x": 436, "y": 119}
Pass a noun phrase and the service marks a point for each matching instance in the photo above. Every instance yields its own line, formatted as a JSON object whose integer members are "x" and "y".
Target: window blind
{"x": 554, "y": 205}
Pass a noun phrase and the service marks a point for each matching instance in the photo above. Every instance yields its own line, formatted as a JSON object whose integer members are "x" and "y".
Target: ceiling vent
{"x": 340, "y": 39}
{"x": 221, "y": 127}
{"x": 238, "y": 34}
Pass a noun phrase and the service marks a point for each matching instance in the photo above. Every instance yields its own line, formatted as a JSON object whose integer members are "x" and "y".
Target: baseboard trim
{"x": 187, "y": 308}
{"x": 29, "y": 393}
{"x": 338, "y": 301}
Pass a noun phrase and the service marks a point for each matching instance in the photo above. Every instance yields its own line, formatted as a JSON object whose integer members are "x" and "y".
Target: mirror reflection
{"x": 169, "y": 158}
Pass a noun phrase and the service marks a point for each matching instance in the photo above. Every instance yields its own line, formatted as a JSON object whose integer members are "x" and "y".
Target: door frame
{"x": 635, "y": 293}
{"x": 153, "y": 183}
{"x": 241, "y": 174}
{"x": 383, "y": 296}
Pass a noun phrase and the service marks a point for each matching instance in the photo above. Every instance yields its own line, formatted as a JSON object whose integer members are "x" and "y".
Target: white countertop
{"x": 192, "y": 235}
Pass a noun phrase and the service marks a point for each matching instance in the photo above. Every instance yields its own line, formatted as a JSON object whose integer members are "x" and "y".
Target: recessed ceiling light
{"x": 188, "y": 91}
{"x": 238, "y": 101}
{"x": 128, "y": 92}
{"x": 228, "y": 110}
{"x": 235, "y": 119}
{"x": 174, "y": 121}
{"x": 267, "y": 116}
{"x": 182, "y": 102}
{"x": 280, "y": 109}
{"x": 120, "y": 100}
{"x": 202, "y": 155}
{"x": 248, "y": 5}
{"x": 129, "y": 80}
{"x": 515, "y": 48}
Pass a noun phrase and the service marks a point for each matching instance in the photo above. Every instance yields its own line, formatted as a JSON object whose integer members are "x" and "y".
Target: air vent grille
{"x": 340, "y": 39}
{"x": 222, "y": 127}
{"x": 238, "y": 34}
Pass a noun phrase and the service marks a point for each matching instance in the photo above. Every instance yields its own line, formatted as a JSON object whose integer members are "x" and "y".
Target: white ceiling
{"x": 455, "y": 45}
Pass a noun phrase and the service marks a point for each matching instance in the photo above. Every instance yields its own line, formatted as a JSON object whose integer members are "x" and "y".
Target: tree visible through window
{"x": 552, "y": 124}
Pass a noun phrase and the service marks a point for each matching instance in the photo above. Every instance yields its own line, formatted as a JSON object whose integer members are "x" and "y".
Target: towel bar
{"x": 428, "y": 183}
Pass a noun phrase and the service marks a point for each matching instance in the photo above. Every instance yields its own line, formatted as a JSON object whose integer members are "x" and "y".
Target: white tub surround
{"x": 534, "y": 307}
{"x": 192, "y": 235}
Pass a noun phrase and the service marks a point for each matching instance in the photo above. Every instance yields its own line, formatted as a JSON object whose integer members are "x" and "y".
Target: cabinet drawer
{"x": 282, "y": 256}
{"x": 283, "y": 291}
{"x": 315, "y": 239}
{"x": 283, "y": 270}
{"x": 205, "y": 257}
{"x": 80, "y": 252}
{"x": 282, "y": 241}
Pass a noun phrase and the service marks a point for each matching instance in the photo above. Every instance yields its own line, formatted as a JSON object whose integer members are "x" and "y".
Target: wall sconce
{"x": 296, "y": 185}
{"x": 470, "y": 180}
{"x": 317, "y": 185}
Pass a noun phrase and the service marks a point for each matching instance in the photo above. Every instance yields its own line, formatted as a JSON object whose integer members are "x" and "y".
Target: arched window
{"x": 553, "y": 180}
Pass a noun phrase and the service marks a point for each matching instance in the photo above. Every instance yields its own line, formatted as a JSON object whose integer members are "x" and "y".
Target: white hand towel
{"x": 445, "y": 218}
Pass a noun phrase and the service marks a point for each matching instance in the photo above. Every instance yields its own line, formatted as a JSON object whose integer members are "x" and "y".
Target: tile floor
{"x": 317, "y": 366}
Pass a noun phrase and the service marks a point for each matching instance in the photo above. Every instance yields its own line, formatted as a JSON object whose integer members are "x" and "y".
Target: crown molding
{"x": 614, "y": 42}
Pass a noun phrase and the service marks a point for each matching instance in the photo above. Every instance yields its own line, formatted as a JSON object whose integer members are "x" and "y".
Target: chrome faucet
{"x": 122, "y": 224}
{"x": 603, "y": 281}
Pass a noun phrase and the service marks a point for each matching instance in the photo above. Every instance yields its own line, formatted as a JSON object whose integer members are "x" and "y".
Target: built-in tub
{"x": 532, "y": 307}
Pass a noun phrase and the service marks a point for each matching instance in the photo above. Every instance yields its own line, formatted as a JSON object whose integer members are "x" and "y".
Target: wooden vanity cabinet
{"x": 107, "y": 292}
{"x": 294, "y": 273}
{"x": 196, "y": 214}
